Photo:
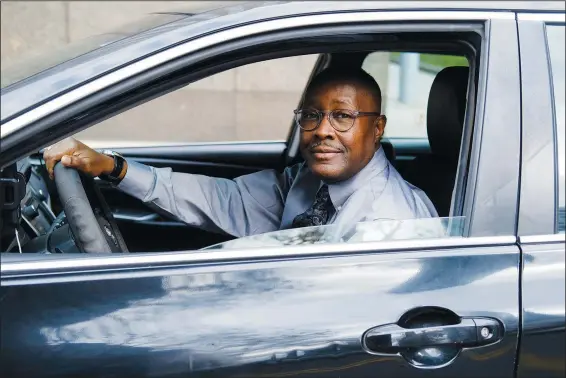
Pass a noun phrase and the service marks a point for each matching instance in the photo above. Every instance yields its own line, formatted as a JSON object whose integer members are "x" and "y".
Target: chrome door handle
{"x": 436, "y": 342}
{"x": 392, "y": 338}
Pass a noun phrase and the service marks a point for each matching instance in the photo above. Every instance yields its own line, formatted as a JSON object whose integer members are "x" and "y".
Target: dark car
{"x": 477, "y": 292}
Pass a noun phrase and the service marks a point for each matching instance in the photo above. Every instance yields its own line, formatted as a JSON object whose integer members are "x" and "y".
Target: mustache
{"x": 322, "y": 144}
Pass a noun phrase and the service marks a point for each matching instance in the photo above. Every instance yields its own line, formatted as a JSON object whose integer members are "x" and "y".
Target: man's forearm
{"x": 213, "y": 204}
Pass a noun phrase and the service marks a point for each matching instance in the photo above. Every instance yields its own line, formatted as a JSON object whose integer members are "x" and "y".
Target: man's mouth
{"x": 323, "y": 152}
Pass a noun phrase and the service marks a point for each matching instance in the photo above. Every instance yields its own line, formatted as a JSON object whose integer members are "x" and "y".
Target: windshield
{"x": 41, "y": 59}
{"x": 378, "y": 230}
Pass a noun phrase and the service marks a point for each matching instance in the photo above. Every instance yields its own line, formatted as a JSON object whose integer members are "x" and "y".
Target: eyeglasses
{"x": 340, "y": 119}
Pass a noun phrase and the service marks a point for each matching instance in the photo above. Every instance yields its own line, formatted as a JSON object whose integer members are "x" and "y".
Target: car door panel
{"x": 302, "y": 317}
{"x": 542, "y": 343}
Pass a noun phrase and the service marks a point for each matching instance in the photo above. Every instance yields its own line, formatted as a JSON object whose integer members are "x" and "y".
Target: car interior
{"x": 434, "y": 165}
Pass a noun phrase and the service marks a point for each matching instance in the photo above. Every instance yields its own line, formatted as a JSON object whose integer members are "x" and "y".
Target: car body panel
{"x": 494, "y": 188}
{"x": 542, "y": 349}
{"x": 300, "y": 317}
{"x": 539, "y": 184}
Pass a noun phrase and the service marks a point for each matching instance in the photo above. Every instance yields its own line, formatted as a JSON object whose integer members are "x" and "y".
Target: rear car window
{"x": 555, "y": 37}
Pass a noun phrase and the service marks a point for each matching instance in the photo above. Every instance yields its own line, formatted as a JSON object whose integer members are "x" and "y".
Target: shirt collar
{"x": 341, "y": 191}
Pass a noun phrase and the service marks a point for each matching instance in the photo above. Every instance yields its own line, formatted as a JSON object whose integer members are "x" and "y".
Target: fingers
{"x": 50, "y": 161}
{"x": 71, "y": 161}
{"x": 54, "y": 153}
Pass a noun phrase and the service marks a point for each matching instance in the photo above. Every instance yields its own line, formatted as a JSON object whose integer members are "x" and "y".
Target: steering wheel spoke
{"x": 95, "y": 231}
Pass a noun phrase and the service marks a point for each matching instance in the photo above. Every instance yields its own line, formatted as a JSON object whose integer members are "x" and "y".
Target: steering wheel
{"x": 88, "y": 214}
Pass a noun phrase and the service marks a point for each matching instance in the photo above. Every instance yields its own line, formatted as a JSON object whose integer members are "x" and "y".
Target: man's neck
{"x": 341, "y": 190}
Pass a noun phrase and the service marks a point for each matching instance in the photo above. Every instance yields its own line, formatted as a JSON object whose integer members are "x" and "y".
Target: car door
{"x": 435, "y": 307}
{"x": 541, "y": 220}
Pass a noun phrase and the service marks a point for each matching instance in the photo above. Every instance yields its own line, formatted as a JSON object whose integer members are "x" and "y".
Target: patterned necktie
{"x": 319, "y": 213}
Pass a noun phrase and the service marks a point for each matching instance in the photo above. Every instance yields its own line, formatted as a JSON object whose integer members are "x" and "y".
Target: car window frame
{"x": 537, "y": 220}
{"x": 487, "y": 119}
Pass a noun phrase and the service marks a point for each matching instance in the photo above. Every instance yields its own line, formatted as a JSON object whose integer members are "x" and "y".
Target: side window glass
{"x": 370, "y": 231}
{"x": 248, "y": 103}
{"x": 555, "y": 37}
{"x": 405, "y": 80}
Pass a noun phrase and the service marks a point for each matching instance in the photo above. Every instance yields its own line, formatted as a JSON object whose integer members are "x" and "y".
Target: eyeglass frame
{"x": 321, "y": 114}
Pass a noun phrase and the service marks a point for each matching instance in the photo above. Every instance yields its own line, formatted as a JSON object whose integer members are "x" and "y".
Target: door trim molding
{"x": 543, "y": 239}
{"x": 545, "y": 17}
{"x": 17, "y": 266}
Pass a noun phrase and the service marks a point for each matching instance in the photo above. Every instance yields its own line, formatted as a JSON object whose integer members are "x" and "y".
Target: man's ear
{"x": 379, "y": 125}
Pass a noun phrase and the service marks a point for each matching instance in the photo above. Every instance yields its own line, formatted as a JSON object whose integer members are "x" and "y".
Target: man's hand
{"x": 75, "y": 154}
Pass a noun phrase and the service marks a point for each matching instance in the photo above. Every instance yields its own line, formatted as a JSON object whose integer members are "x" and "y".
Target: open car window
{"x": 374, "y": 231}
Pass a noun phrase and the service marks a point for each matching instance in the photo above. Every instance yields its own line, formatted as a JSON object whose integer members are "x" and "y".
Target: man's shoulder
{"x": 400, "y": 197}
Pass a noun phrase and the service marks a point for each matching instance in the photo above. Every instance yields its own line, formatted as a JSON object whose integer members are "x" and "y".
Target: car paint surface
{"x": 302, "y": 317}
{"x": 542, "y": 342}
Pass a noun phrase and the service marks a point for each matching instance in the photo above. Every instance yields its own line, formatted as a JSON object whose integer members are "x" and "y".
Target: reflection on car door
{"x": 301, "y": 317}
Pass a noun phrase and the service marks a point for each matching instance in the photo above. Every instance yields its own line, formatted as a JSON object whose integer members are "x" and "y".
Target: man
{"x": 345, "y": 178}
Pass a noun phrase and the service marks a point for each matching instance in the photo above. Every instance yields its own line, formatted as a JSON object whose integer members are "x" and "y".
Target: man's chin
{"x": 326, "y": 172}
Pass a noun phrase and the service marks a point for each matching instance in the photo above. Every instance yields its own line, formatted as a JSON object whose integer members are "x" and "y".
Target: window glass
{"x": 373, "y": 231}
{"x": 405, "y": 80}
{"x": 555, "y": 35}
{"x": 249, "y": 103}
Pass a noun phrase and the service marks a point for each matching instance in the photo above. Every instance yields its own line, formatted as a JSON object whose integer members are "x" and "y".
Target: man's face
{"x": 334, "y": 155}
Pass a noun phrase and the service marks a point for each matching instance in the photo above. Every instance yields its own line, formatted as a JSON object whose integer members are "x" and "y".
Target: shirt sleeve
{"x": 248, "y": 205}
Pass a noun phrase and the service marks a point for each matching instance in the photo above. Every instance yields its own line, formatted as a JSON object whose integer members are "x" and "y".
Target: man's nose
{"x": 325, "y": 129}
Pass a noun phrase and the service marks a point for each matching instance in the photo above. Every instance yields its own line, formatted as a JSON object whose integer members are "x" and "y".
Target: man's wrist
{"x": 115, "y": 167}
{"x": 108, "y": 164}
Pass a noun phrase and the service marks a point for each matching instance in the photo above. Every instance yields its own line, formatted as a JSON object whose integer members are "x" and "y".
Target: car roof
{"x": 126, "y": 48}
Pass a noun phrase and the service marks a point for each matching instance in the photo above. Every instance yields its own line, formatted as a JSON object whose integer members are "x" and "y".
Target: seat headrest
{"x": 445, "y": 111}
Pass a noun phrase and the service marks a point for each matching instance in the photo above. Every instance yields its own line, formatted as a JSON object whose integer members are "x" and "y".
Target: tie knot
{"x": 322, "y": 197}
{"x": 323, "y": 191}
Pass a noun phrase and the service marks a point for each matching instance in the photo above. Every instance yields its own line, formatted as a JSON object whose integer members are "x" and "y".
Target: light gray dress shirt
{"x": 269, "y": 201}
